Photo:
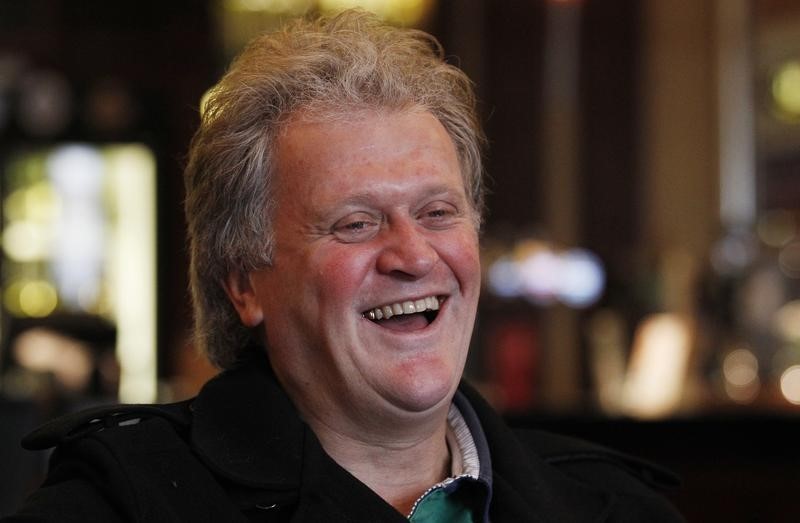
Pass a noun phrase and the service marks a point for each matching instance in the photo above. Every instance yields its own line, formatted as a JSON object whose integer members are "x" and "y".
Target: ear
{"x": 240, "y": 291}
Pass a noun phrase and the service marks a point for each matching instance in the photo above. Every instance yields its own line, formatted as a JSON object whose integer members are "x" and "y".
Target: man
{"x": 334, "y": 199}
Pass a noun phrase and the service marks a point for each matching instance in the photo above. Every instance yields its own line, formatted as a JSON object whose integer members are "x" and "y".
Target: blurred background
{"x": 641, "y": 250}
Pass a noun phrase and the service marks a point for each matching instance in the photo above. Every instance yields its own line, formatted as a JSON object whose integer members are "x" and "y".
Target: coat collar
{"x": 247, "y": 431}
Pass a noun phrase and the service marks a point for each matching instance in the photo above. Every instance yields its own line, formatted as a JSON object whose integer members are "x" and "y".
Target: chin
{"x": 426, "y": 387}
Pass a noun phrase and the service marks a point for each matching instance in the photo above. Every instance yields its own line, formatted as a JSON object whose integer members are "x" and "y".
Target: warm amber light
{"x": 403, "y": 12}
{"x": 787, "y": 321}
{"x": 740, "y": 367}
{"x": 790, "y": 384}
{"x": 37, "y": 299}
{"x": 786, "y": 90}
{"x": 776, "y": 228}
{"x": 269, "y": 6}
{"x": 657, "y": 370}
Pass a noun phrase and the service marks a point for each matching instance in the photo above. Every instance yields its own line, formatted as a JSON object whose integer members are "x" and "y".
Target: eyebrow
{"x": 368, "y": 198}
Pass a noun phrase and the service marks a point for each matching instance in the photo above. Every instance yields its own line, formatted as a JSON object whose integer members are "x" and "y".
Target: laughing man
{"x": 334, "y": 199}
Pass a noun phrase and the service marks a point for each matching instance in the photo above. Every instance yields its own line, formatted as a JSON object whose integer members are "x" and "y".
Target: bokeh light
{"x": 740, "y": 367}
{"x": 740, "y": 371}
{"x": 32, "y": 298}
{"x": 504, "y": 279}
{"x": 582, "y": 278}
{"x": 38, "y": 202}
{"x": 43, "y": 350}
{"x": 45, "y": 104}
{"x": 26, "y": 241}
{"x": 404, "y": 12}
{"x": 38, "y": 298}
{"x": 787, "y": 321}
{"x": 789, "y": 259}
{"x": 776, "y": 228}
{"x": 539, "y": 273}
{"x": 743, "y": 393}
{"x": 79, "y": 220}
{"x": 786, "y": 90}
{"x": 657, "y": 370}
{"x": 733, "y": 253}
{"x": 285, "y": 7}
{"x": 790, "y": 384}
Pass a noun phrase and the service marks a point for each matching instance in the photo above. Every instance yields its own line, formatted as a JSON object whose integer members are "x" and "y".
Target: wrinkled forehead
{"x": 350, "y": 114}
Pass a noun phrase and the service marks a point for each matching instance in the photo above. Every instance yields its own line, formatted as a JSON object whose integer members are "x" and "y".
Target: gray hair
{"x": 322, "y": 67}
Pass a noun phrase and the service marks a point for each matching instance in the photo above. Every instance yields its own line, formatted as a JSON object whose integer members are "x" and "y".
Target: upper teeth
{"x": 406, "y": 307}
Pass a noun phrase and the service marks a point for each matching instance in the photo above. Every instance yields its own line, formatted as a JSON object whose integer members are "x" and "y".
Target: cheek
{"x": 340, "y": 273}
{"x": 463, "y": 256}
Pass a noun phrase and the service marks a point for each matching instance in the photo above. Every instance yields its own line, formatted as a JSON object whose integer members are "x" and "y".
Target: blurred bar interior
{"x": 641, "y": 251}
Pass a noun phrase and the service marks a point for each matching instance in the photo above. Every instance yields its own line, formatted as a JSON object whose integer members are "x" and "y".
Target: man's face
{"x": 371, "y": 216}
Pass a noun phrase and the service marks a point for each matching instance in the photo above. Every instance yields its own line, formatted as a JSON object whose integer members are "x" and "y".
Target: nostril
{"x": 407, "y": 254}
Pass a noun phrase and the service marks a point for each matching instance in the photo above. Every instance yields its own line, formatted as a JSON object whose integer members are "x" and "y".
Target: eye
{"x": 356, "y": 227}
{"x": 438, "y": 215}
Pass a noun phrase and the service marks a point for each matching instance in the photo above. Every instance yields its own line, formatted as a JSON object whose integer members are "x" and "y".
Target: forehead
{"x": 337, "y": 152}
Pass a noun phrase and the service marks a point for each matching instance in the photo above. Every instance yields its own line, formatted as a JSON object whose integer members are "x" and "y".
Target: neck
{"x": 398, "y": 470}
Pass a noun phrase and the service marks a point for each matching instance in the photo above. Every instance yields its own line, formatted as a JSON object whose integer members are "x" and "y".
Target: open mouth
{"x": 406, "y": 315}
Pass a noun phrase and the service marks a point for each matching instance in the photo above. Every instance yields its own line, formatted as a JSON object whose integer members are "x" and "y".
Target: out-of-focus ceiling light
{"x": 291, "y": 7}
{"x": 403, "y": 12}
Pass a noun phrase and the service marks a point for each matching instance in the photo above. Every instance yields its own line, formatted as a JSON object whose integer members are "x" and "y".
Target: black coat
{"x": 238, "y": 452}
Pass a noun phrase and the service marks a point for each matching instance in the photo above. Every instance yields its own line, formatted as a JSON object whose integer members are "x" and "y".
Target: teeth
{"x": 406, "y": 307}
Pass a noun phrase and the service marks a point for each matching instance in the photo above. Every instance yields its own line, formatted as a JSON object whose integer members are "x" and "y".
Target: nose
{"x": 406, "y": 251}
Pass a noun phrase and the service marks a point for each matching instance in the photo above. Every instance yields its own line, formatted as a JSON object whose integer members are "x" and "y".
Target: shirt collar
{"x": 465, "y": 467}
{"x": 464, "y": 459}
{"x": 475, "y": 448}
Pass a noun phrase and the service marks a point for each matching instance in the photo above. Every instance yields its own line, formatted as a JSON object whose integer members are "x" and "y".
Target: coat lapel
{"x": 524, "y": 487}
{"x": 248, "y": 432}
{"x": 329, "y": 493}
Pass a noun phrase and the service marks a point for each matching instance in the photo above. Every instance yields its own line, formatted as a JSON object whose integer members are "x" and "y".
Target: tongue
{"x": 405, "y": 322}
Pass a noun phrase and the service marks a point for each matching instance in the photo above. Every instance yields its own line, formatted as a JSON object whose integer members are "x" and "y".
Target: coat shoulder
{"x": 80, "y": 424}
{"x": 73, "y": 500}
{"x": 134, "y": 461}
{"x": 580, "y": 457}
{"x": 637, "y": 484}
